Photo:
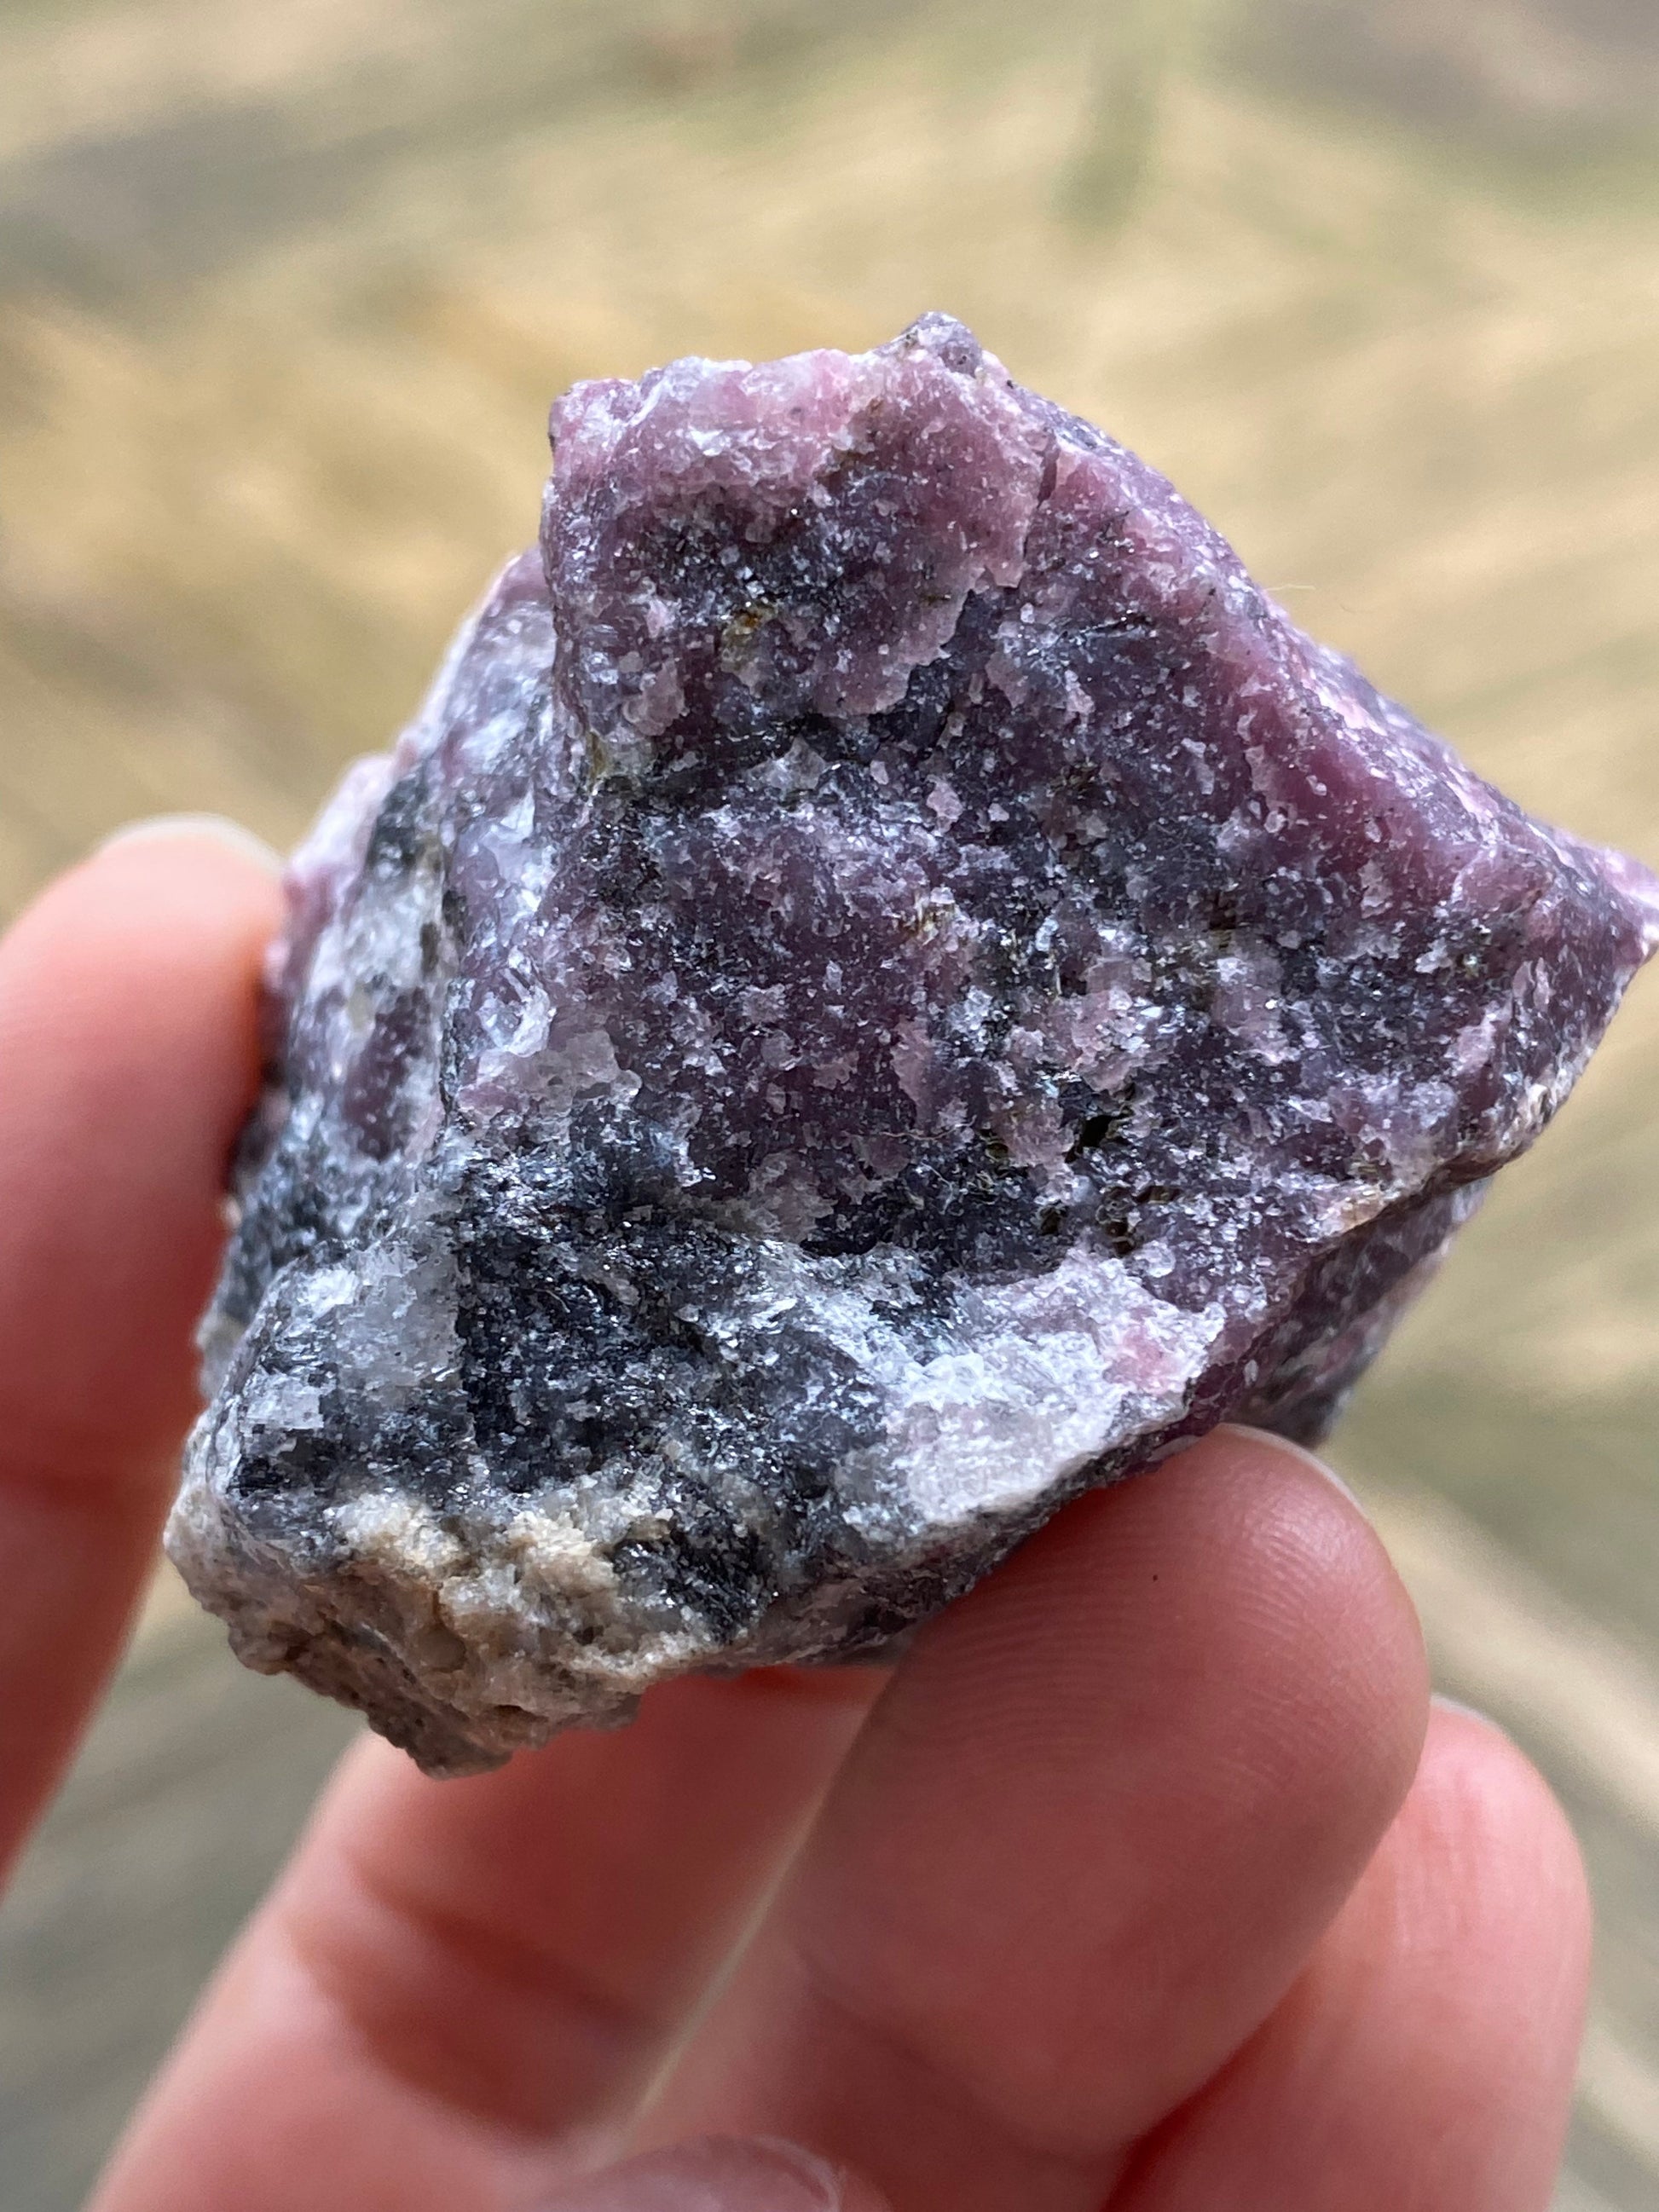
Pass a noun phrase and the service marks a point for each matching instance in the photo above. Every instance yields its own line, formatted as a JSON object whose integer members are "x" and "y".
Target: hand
{"x": 1150, "y": 1881}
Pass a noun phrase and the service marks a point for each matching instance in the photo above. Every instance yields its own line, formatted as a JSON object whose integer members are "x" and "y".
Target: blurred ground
{"x": 283, "y": 294}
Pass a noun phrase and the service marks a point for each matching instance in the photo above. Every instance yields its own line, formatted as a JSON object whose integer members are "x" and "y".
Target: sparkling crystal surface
{"x": 888, "y": 984}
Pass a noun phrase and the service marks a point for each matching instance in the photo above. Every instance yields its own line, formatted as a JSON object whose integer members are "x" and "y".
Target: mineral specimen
{"x": 887, "y": 985}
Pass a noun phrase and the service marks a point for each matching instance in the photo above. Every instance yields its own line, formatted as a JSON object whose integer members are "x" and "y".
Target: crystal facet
{"x": 887, "y": 985}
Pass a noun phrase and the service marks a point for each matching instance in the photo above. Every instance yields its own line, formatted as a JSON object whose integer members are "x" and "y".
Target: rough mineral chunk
{"x": 887, "y": 985}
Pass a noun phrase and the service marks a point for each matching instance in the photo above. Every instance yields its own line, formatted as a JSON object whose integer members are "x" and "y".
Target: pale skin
{"x": 1153, "y": 1880}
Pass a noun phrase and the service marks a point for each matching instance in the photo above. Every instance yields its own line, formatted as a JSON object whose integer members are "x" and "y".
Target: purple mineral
{"x": 887, "y": 985}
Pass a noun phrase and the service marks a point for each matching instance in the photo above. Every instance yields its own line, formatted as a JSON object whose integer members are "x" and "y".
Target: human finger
{"x": 127, "y": 1041}
{"x": 459, "y": 1986}
{"x": 1426, "y": 2056}
{"x": 1083, "y": 1846}
{"x": 722, "y": 2175}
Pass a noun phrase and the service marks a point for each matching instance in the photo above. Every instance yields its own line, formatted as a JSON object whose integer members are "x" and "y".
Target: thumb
{"x": 722, "y": 2174}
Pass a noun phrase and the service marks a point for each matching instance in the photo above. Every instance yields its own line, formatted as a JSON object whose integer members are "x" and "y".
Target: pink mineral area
{"x": 934, "y": 476}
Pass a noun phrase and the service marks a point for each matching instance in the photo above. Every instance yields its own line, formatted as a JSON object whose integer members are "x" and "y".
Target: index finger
{"x": 128, "y": 1057}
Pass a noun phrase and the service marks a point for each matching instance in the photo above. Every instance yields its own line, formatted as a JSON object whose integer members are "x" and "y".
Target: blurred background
{"x": 285, "y": 287}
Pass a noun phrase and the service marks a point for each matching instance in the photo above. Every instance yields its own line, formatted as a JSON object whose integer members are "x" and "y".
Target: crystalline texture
{"x": 887, "y": 985}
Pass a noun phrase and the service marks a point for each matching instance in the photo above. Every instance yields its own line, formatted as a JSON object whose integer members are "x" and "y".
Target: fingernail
{"x": 717, "y": 2174}
{"x": 220, "y": 827}
{"x": 1297, "y": 1451}
{"x": 1465, "y": 1712}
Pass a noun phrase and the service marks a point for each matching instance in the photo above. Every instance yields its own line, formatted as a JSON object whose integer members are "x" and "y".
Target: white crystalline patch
{"x": 1114, "y": 1027}
{"x": 943, "y": 801}
{"x": 391, "y": 1324}
{"x": 556, "y": 1556}
{"x": 282, "y": 1402}
{"x": 379, "y": 939}
{"x": 1473, "y": 1045}
{"x": 328, "y": 1289}
{"x": 1040, "y": 1377}
{"x": 1387, "y": 1114}
{"x": 1249, "y": 1002}
{"x": 399, "y": 1533}
{"x": 1060, "y": 1371}
{"x": 1331, "y": 1207}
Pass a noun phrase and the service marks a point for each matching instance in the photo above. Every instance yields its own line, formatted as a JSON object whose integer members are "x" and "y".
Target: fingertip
{"x": 1123, "y": 1786}
{"x": 1236, "y": 1454}
{"x": 1241, "y": 1583}
{"x": 129, "y": 1033}
{"x": 162, "y": 928}
{"x": 1273, "y": 1539}
{"x": 1479, "y": 1902}
{"x": 205, "y": 856}
{"x": 1491, "y": 1829}
{"x": 1269, "y": 1441}
{"x": 215, "y": 829}
{"x": 1426, "y": 2055}
{"x": 1464, "y": 1963}
{"x": 128, "y": 1037}
{"x": 1456, "y": 1710}
{"x": 1313, "y": 1545}
{"x": 722, "y": 2173}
